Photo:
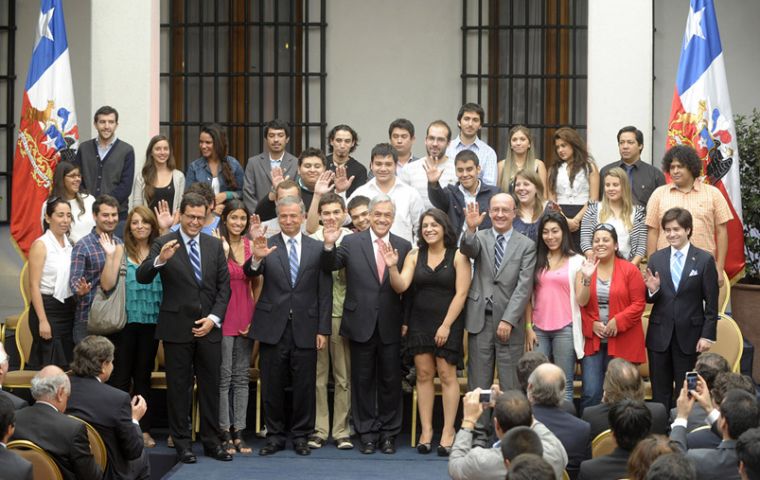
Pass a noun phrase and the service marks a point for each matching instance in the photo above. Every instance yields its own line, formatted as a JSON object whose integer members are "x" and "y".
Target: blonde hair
{"x": 532, "y": 177}
{"x": 510, "y": 170}
{"x": 605, "y": 211}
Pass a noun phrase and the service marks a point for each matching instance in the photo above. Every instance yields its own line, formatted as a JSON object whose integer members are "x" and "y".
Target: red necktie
{"x": 379, "y": 260}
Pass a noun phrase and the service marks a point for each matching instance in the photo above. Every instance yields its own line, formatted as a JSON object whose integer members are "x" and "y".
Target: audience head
{"x": 520, "y": 145}
{"x": 709, "y": 365}
{"x": 630, "y": 143}
{"x": 67, "y": 181}
{"x": 529, "y": 466}
{"x": 435, "y": 226}
{"x": 57, "y": 216}
{"x": 51, "y": 385}
{"x": 467, "y": 167}
{"x": 287, "y": 188}
{"x": 205, "y": 191}
{"x": 617, "y": 187}
{"x": 677, "y": 224}
{"x": 383, "y": 160}
{"x": 672, "y": 466}
{"x": 234, "y": 222}
{"x": 276, "y": 136}
{"x": 738, "y": 413}
{"x": 193, "y": 210}
{"x": 604, "y": 242}
{"x": 622, "y": 381}
{"x": 519, "y": 440}
{"x": 290, "y": 215}
{"x": 141, "y": 226}
{"x": 158, "y": 153}
{"x": 726, "y": 381}
{"x": 630, "y": 421}
{"x": 105, "y": 211}
{"x": 437, "y": 138}
{"x": 382, "y": 210}
{"x": 358, "y": 209}
{"x": 501, "y": 210}
{"x": 401, "y": 135}
{"x": 748, "y": 454}
{"x": 683, "y": 164}
{"x": 546, "y": 385}
{"x": 7, "y": 419}
{"x": 212, "y": 142}
{"x": 470, "y": 118}
{"x": 647, "y": 450}
{"x": 511, "y": 409}
{"x": 525, "y": 366}
{"x": 93, "y": 357}
{"x": 332, "y": 209}
{"x": 343, "y": 140}
{"x": 106, "y": 121}
{"x": 569, "y": 148}
{"x": 311, "y": 164}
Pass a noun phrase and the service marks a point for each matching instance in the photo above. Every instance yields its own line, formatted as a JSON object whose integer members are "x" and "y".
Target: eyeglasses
{"x": 194, "y": 218}
{"x": 73, "y": 175}
{"x": 501, "y": 210}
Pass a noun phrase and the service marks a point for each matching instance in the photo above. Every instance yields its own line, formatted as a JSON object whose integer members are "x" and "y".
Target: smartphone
{"x": 485, "y": 397}
{"x": 691, "y": 381}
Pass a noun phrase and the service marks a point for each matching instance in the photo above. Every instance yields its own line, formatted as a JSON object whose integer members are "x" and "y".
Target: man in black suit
{"x": 196, "y": 289}
{"x": 62, "y": 437}
{"x": 623, "y": 380}
{"x": 18, "y": 403}
{"x": 114, "y": 415}
{"x": 748, "y": 454}
{"x": 372, "y": 320}
{"x": 12, "y": 465}
{"x": 293, "y": 321}
{"x": 682, "y": 283}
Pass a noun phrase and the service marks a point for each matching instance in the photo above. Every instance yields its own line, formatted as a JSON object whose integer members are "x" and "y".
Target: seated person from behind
{"x": 17, "y": 403}
{"x": 519, "y": 440}
{"x": 525, "y": 366}
{"x": 672, "y": 466}
{"x": 11, "y": 464}
{"x": 748, "y": 454}
{"x": 529, "y": 466}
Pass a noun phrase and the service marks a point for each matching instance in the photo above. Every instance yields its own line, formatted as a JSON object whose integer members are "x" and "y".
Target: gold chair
{"x": 603, "y": 444}
{"x": 97, "y": 447}
{"x": 644, "y": 367}
{"x": 11, "y": 321}
{"x": 724, "y": 295}
{"x": 43, "y": 466}
{"x": 254, "y": 375}
{"x": 158, "y": 382}
{"x": 22, "y": 378}
{"x": 565, "y": 475}
{"x": 729, "y": 342}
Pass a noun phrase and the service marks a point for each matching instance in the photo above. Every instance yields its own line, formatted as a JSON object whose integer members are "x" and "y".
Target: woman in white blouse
{"x": 67, "y": 180}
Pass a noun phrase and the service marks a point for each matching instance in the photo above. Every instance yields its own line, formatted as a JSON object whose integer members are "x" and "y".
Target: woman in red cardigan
{"x": 612, "y": 300}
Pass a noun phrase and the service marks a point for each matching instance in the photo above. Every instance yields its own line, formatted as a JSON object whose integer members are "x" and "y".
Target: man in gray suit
{"x": 264, "y": 171}
{"x": 738, "y": 413}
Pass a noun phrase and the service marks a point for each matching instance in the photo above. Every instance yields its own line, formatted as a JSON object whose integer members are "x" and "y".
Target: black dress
{"x": 432, "y": 293}
{"x": 163, "y": 193}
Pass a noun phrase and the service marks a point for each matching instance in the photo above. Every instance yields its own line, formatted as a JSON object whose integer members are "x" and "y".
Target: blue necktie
{"x": 676, "y": 269}
{"x": 499, "y": 252}
{"x": 293, "y": 260}
{"x": 629, "y": 171}
{"x": 195, "y": 260}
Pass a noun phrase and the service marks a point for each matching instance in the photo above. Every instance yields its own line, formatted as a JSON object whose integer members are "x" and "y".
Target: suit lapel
{"x": 283, "y": 255}
{"x": 306, "y": 253}
{"x": 488, "y": 243}
{"x": 185, "y": 257}
{"x": 688, "y": 263}
{"x": 509, "y": 251}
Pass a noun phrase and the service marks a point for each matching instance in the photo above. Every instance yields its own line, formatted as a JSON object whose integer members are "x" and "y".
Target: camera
{"x": 485, "y": 397}
{"x": 691, "y": 381}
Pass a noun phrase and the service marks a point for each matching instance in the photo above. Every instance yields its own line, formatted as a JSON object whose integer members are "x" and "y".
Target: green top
{"x": 339, "y": 276}
{"x": 143, "y": 301}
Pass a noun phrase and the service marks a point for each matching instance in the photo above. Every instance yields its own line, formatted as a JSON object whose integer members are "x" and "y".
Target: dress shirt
{"x": 415, "y": 176}
{"x": 276, "y": 162}
{"x": 103, "y": 150}
{"x": 469, "y": 198}
{"x": 486, "y": 156}
{"x": 374, "y": 238}
{"x": 408, "y": 203}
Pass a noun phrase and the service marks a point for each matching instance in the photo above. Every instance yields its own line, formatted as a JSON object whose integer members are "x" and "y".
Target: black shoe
{"x": 218, "y": 453}
{"x": 270, "y": 449}
{"x": 424, "y": 448}
{"x": 368, "y": 448}
{"x": 302, "y": 448}
{"x": 186, "y": 456}
{"x": 444, "y": 451}
{"x": 388, "y": 446}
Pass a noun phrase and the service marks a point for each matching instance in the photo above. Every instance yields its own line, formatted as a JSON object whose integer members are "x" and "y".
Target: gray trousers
{"x": 236, "y": 360}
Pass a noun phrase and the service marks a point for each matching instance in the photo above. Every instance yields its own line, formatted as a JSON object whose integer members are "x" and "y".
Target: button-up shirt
{"x": 415, "y": 176}
{"x": 408, "y": 203}
{"x": 486, "y": 156}
{"x": 87, "y": 260}
{"x": 103, "y": 150}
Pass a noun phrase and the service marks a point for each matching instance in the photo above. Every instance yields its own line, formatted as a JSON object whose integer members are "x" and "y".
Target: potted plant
{"x": 745, "y": 294}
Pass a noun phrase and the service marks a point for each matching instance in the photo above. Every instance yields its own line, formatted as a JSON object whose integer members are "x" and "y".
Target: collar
{"x": 635, "y": 164}
{"x": 684, "y": 250}
{"x": 107, "y": 145}
{"x": 297, "y": 238}
{"x": 476, "y": 145}
{"x": 506, "y": 235}
{"x": 186, "y": 238}
{"x": 373, "y": 184}
{"x": 302, "y": 185}
{"x": 42, "y": 402}
{"x": 374, "y": 237}
{"x": 282, "y": 157}
{"x": 466, "y": 192}
{"x": 696, "y": 186}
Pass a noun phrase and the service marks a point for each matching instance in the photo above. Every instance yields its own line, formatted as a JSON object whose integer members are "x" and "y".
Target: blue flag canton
{"x": 51, "y": 42}
{"x": 701, "y": 43}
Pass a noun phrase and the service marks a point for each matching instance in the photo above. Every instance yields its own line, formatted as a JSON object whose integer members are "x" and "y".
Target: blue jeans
{"x": 594, "y": 367}
{"x": 558, "y": 346}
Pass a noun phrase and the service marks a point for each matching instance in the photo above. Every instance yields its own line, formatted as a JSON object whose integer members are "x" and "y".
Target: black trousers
{"x": 376, "y": 401}
{"x": 279, "y": 363}
{"x": 201, "y": 358}
{"x": 667, "y": 367}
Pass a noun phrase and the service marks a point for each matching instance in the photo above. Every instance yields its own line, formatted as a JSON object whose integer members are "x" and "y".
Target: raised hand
{"x": 168, "y": 251}
{"x": 226, "y": 246}
{"x": 277, "y": 177}
{"x": 260, "y": 247}
{"x": 82, "y": 287}
{"x": 324, "y": 183}
{"x": 254, "y": 226}
{"x": 588, "y": 267}
{"x": 341, "y": 182}
{"x": 331, "y": 233}
{"x": 108, "y": 244}
{"x": 390, "y": 254}
{"x": 652, "y": 281}
{"x": 473, "y": 217}
{"x": 432, "y": 171}
{"x": 163, "y": 215}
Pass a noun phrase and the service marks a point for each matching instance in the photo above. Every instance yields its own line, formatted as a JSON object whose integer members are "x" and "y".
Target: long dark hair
{"x": 53, "y": 202}
{"x": 220, "y": 150}
{"x": 582, "y": 160}
{"x": 542, "y": 251}
{"x": 229, "y": 207}
{"x": 130, "y": 243}
{"x": 449, "y": 234}
{"x": 149, "y": 169}
{"x": 59, "y": 189}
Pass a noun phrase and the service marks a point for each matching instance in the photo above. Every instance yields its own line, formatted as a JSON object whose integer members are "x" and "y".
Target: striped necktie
{"x": 499, "y": 252}
{"x": 195, "y": 260}
{"x": 676, "y": 269}
{"x": 293, "y": 260}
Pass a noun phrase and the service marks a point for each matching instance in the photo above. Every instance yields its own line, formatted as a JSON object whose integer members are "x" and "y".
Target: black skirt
{"x": 571, "y": 211}
{"x": 59, "y": 350}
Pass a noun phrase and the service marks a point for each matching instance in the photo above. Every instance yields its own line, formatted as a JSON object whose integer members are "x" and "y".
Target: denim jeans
{"x": 558, "y": 346}
{"x": 233, "y": 375}
{"x": 594, "y": 367}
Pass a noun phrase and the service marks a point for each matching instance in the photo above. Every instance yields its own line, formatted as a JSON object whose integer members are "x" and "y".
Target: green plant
{"x": 748, "y": 139}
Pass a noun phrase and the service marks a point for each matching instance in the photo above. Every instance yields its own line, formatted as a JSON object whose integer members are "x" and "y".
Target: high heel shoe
{"x": 444, "y": 451}
{"x": 424, "y": 448}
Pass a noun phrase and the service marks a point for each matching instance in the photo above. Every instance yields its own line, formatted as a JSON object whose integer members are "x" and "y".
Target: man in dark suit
{"x": 372, "y": 320}
{"x": 293, "y": 321}
{"x": 709, "y": 366}
{"x": 196, "y": 289}
{"x": 682, "y": 283}
{"x": 18, "y": 403}
{"x": 62, "y": 437}
{"x": 622, "y": 381}
{"x": 114, "y": 415}
{"x": 11, "y": 465}
{"x": 630, "y": 422}
{"x": 546, "y": 388}
{"x": 748, "y": 454}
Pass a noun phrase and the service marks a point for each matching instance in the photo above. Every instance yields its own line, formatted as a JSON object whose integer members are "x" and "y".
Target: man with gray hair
{"x": 372, "y": 320}
{"x": 546, "y": 389}
{"x": 293, "y": 321}
{"x": 62, "y": 437}
{"x": 18, "y": 403}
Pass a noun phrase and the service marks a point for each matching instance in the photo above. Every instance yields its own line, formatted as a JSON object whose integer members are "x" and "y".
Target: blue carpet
{"x": 327, "y": 462}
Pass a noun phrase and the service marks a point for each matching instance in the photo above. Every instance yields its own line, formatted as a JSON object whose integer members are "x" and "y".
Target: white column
{"x": 619, "y": 74}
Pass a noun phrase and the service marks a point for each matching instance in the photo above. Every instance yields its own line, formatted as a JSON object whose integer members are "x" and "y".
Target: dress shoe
{"x": 424, "y": 448}
{"x": 388, "y": 446}
{"x": 302, "y": 448}
{"x": 368, "y": 448}
{"x": 218, "y": 453}
{"x": 444, "y": 451}
{"x": 186, "y": 456}
{"x": 270, "y": 449}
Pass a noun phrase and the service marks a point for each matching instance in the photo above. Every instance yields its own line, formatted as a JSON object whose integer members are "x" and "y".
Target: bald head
{"x": 546, "y": 385}
{"x": 501, "y": 209}
{"x": 51, "y": 385}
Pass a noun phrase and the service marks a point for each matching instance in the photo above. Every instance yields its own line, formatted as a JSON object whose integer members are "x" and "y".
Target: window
{"x": 525, "y": 62}
{"x": 241, "y": 63}
{"x": 7, "y": 115}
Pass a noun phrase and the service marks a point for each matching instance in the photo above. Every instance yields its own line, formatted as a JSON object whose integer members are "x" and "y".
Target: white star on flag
{"x": 693, "y": 27}
{"x": 43, "y": 28}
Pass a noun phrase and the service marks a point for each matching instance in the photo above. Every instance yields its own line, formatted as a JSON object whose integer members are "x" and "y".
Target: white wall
{"x": 619, "y": 74}
{"x": 389, "y": 59}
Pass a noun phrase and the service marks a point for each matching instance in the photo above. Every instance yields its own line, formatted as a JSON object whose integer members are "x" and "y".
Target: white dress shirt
{"x": 408, "y": 203}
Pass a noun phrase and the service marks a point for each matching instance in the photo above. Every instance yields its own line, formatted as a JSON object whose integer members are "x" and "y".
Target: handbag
{"x": 108, "y": 313}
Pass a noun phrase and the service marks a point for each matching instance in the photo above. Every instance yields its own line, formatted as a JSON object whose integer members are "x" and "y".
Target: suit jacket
{"x": 697, "y": 417}
{"x": 598, "y": 417}
{"x": 13, "y": 466}
{"x": 18, "y": 403}
{"x": 710, "y": 463}
{"x": 608, "y": 467}
{"x": 369, "y": 303}
{"x": 108, "y": 409}
{"x": 509, "y": 288}
{"x": 258, "y": 177}
{"x": 682, "y": 311}
{"x": 184, "y": 301}
{"x": 571, "y": 431}
{"x": 310, "y": 299}
{"x": 62, "y": 437}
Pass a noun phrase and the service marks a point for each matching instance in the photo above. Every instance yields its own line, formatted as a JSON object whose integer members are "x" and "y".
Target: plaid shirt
{"x": 87, "y": 260}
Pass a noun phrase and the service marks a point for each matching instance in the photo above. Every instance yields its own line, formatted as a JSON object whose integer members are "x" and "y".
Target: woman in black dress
{"x": 439, "y": 277}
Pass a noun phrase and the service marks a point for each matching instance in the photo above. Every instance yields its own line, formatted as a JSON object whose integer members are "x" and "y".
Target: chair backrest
{"x": 23, "y": 284}
{"x": 724, "y": 295}
{"x": 97, "y": 446}
{"x": 24, "y": 337}
{"x": 160, "y": 358}
{"x": 603, "y": 444}
{"x": 43, "y": 466}
{"x": 729, "y": 342}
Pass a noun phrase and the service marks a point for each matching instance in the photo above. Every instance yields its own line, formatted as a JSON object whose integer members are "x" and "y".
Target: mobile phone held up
{"x": 485, "y": 396}
{"x": 691, "y": 381}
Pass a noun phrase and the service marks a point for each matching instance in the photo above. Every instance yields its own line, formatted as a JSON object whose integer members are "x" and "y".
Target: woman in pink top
{"x": 236, "y": 346}
{"x": 556, "y": 317}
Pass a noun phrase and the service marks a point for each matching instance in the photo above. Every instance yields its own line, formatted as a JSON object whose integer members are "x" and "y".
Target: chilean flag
{"x": 48, "y": 129}
{"x": 701, "y": 117}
